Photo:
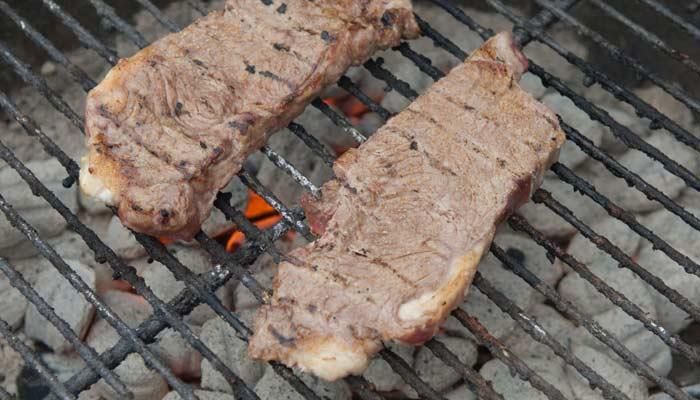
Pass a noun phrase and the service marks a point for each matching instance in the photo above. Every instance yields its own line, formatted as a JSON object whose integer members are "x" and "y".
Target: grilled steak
{"x": 170, "y": 126}
{"x": 408, "y": 218}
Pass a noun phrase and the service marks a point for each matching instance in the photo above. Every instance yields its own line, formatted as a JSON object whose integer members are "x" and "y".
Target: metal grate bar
{"x": 409, "y": 375}
{"x": 638, "y": 314}
{"x": 69, "y": 274}
{"x": 542, "y": 196}
{"x": 583, "y": 142}
{"x": 78, "y": 74}
{"x": 291, "y": 170}
{"x": 647, "y": 36}
{"x": 520, "y": 224}
{"x": 32, "y": 129}
{"x": 477, "y": 384}
{"x": 641, "y": 107}
{"x": 378, "y": 71}
{"x": 37, "y": 364}
{"x": 348, "y": 85}
{"x": 619, "y": 55}
{"x": 159, "y": 15}
{"x": 197, "y": 5}
{"x": 251, "y": 181}
{"x": 17, "y": 280}
{"x": 4, "y": 395}
{"x": 539, "y": 23}
{"x": 38, "y": 83}
{"x": 83, "y": 35}
{"x": 314, "y": 144}
{"x": 538, "y": 333}
{"x": 620, "y": 131}
{"x": 106, "y": 11}
{"x": 513, "y": 362}
{"x": 563, "y": 305}
{"x": 183, "y": 303}
{"x": 121, "y": 270}
{"x": 663, "y": 10}
{"x": 568, "y": 176}
{"x": 339, "y": 120}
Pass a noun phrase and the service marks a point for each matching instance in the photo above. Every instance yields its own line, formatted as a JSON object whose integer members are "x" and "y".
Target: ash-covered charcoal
{"x": 201, "y": 395}
{"x": 434, "y": 372}
{"x": 164, "y": 284}
{"x": 70, "y": 305}
{"x": 628, "y": 382}
{"x": 12, "y": 303}
{"x": 685, "y": 239}
{"x": 273, "y": 387}
{"x": 13, "y": 244}
{"x": 652, "y": 172}
{"x": 223, "y": 340}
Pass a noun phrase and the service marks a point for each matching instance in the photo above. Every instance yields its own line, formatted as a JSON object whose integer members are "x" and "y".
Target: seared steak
{"x": 170, "y": 126}
{"x": 408, "y": 218}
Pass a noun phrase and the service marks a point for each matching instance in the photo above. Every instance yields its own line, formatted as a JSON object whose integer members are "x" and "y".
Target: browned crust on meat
{"x": 170, "y": 197}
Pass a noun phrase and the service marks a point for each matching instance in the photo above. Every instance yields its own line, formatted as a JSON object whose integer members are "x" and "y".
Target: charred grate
{"x": 200, "y": 288}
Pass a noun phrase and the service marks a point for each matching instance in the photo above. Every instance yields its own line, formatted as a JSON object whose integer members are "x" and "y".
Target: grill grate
{"x": 200, "y": 288}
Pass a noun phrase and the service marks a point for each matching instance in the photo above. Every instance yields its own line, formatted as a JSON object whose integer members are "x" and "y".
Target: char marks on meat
{"x": 408, "y": 218}
{"x": 171, "y": 125}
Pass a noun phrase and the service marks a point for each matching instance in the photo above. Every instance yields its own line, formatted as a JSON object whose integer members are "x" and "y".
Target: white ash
{"x": 435, "y": 372}
{"x": 651, "y": 171}
{"x": 145, "y": 383}
{"x": 202, "y": 395}
{"x": 551, "y": 224}
{"x": 33, "y": 209}
{"x": 122, "y": 241}
{"x": 69, "y": 304}
{"x": 462, "y": 392}
{"x": 178, "y": 355}
{"x": 383, "y": 377}
{"x": 163, "y": 283}
{"x": 617, "y": 232}
{"x": 512, "y": 387}
{"x": 63, "y": 366}
{"x": 13, "y": 304}
{"x": 570, "y": 154}
{"x": 684, "y": 239}
{"x": 272, "y": 387}
{"x": 223, "y": 340}
{"x": 618, "y": 375}
{"x": 11, "y": 364}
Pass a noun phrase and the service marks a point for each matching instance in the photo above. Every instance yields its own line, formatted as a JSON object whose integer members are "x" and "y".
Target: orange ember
{"x": 259, "y": 213}
{"x": 350, "y": 106}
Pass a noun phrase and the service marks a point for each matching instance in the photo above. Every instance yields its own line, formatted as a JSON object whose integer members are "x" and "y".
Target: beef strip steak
{"x": 170, "y": 126}
{"x": 408, "y": 218}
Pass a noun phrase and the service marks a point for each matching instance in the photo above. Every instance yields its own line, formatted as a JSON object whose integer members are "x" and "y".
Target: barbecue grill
{"x": 233, "y": 266}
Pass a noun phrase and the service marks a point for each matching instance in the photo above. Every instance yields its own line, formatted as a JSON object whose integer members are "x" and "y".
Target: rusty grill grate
{"x": 200, "y": 288}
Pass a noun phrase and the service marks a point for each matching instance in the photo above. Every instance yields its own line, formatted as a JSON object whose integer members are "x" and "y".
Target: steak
{"x": 170, "y": 126}
{"x": 409, "y": 216}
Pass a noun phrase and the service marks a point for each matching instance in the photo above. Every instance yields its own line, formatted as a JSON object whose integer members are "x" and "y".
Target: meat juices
{"x": 406, "y": 222}
{"x": 170, "y": 126}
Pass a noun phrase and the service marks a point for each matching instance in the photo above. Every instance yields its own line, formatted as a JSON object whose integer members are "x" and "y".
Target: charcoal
{"x": 272, "y": 387}
{"x": 383, "y": 377}
{"x": 12, "y": 304}
{"x": 462, "y": 392}
{"x": 512, "y": 387}
{"x": 434, "y": 372}
{"x": 70, "y": 305}
{"x": 13, "y": 244}
{"x": 177, "y": 353}
{"x": 222, "y": 339}
{"x": 622, "y": 378}
{"x": 122, "y": 241}
{"x": 202, "y": 395}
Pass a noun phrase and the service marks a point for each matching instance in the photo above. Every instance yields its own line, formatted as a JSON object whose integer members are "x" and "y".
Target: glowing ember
{"x": 259, "y": 213}
{"x": 350, "y": 106}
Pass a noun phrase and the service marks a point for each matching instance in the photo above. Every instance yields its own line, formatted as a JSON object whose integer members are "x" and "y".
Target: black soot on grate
{"x": 590, "y": 292}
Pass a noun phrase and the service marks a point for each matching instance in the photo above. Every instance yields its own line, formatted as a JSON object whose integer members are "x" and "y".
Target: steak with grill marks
{"x": 410, "y": 214}
{"x": 170, "y": 126}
